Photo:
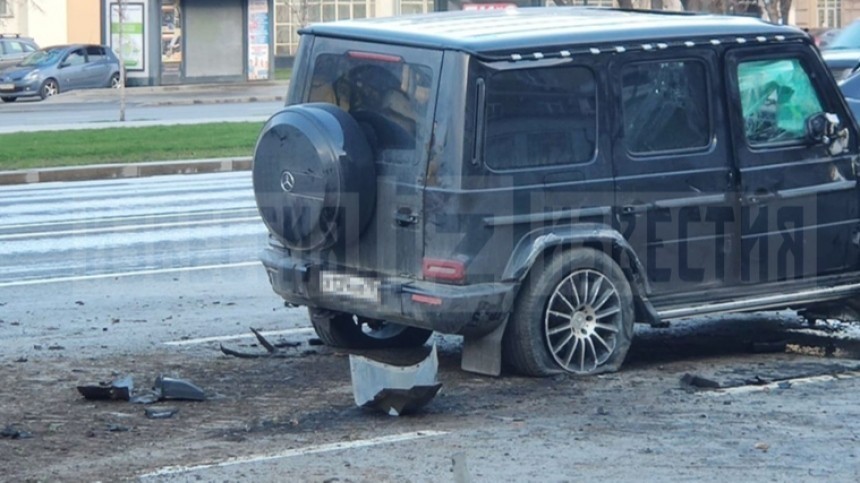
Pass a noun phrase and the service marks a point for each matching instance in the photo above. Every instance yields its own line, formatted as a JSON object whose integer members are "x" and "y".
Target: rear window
{"x": 390, "y": 99}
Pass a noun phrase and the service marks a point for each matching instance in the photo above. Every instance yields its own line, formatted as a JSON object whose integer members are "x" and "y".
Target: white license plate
{"x": 7, "y": 87}
{"x": 360, "y": 288}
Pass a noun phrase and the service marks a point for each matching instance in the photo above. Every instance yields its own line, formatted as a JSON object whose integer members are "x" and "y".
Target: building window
{"x": 292, "y": 15}
{"x": 411, "y": 7}
{"x": 5, "y": 8}
{"x": 830, "y": 13}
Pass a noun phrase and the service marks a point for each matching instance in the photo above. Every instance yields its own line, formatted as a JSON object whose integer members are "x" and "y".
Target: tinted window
{"x": 777, "y": 97}
{"x": 540, "y": 117}
{"x": 95, "y": 53}
{"x": 665, "y": 106}
{"x": 387, "y": 96}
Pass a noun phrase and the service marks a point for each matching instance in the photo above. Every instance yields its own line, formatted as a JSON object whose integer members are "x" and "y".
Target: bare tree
{"x": 17, "y": 5}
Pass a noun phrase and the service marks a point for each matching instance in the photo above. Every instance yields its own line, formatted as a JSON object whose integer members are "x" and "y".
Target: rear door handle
{"x": 405, "y": 217}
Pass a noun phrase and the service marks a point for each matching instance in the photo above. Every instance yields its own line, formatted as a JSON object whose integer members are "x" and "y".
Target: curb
{"x": 118, "y": 171}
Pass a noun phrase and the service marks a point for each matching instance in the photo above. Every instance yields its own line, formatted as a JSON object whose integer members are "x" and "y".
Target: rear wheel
{"x": 114, "y": 82}
{"x": 49, "y": 88}
{"x": 339, "y": 329}
{"x": 575, "y": 315}
{"x": 8, "y": 99}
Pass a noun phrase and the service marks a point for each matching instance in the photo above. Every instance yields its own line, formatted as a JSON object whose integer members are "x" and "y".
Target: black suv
{"x": 537, "y": 180}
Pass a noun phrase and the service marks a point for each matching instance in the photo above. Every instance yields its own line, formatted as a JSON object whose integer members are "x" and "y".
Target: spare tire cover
{"x": 313, "y": 171}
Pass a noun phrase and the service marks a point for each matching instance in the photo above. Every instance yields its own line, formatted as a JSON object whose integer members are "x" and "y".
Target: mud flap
{"x": 483, "y": 355}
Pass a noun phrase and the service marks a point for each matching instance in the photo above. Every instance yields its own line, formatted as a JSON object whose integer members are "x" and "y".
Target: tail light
{"x": 450, "y": 271}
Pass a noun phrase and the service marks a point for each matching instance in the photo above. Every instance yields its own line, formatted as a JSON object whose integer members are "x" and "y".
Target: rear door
{"x": 97, "y": 70}
{"x": 390, "y": 91}
{"x": 799, "y": 202}
{"x": 674, "y": 186}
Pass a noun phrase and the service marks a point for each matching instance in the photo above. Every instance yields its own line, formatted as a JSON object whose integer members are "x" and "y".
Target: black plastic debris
{"x": 11, "y": 432}
{"x": 171, "y": 388}
{"x": 164, "y": 388}
{"x": 394, "y": 390}
{"x": 160, "y": 413}
{"x": 699, "y": 382}
{"x": 272, "y": 350}
{"x": 117, "y": 428}
{"x": 120, "y": 389}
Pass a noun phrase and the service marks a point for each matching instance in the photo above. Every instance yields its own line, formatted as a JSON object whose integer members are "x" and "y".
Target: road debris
{"x": 160, "y": 413}
{"x": 763, "y": 447}
{"x": 394, "y": 390}
{"x": 698, "y": 382}
{"x": 21, "y": 359}
{"x": 272, "y": 350}
{"x": 178, "y": 389}
{"x": 117, "y": 428}
{"x": 120, "y": 389}
{"x": 11, "y": 432}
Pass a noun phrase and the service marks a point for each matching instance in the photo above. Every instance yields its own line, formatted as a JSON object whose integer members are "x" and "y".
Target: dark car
{"x": 842, "y": 54}
{"x": 13, "y": 48}
{"x": 50, "y": 71}
{"x": 539, "y": 180}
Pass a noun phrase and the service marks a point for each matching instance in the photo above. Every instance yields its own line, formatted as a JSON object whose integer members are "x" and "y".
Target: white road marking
{"x": 203, "y": 340}
{"x": 116, "y": 229}
{"x": 775, "y": 385}
{"x": 322, "y": 448}
{"x": 146, "y": 217}
{"x": 102, "y": 276}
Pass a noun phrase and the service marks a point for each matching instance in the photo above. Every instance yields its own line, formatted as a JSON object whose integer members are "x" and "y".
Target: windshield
{"x": 42, "y": 57}
{"x": 847, "y": 39}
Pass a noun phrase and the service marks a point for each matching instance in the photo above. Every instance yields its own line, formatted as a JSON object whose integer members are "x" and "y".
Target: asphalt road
{"x": 24, "y": 116}
{"x": 150, "y": 275}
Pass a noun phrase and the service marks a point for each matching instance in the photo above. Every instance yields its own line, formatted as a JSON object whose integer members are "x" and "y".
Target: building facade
{"x": 52, "y": 22}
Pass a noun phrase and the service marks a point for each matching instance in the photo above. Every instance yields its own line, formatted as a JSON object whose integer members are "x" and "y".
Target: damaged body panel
{"x": 540, "y": 191}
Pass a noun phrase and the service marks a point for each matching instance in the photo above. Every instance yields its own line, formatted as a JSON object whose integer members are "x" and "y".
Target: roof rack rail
{"x": 10, "y": 36}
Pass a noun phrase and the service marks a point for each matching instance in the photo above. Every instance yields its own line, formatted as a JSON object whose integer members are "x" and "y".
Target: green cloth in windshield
{"x": 777, "y": 97}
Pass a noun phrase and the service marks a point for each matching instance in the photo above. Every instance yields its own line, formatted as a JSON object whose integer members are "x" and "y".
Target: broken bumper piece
{"x": 394, "y": 390}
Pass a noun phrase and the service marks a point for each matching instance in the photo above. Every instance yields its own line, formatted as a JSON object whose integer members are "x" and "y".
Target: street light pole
{"x": 121, "y": 63}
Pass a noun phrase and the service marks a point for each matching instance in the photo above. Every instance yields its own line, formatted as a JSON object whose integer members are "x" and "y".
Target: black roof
{"x": 523, "y": 28}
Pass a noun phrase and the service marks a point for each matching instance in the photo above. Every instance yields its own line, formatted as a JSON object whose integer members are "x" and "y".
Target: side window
{"x": 28, "y": 48}
{"x": 95, "y": 53}
{"x": 540, "y": 117}
{"x": 76, "y": 58}
{"x": 776, "y": 98}
{"x": 14, "y": 48}
{"x": 665, "y": 106}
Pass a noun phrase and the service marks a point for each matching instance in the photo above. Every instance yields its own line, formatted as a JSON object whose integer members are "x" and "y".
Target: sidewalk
{"x": 262, "y": 91}
{"x": 123, "y": 170}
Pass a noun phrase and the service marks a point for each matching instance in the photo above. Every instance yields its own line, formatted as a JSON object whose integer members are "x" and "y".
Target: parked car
{"x": 13, "y": 49}
{"x": 842, "y": 54}
{"x": 538, "y": 180}
{"x": 52, "y": 70}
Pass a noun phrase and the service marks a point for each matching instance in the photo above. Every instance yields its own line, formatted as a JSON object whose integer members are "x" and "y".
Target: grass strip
{"x": 127, "y": 145}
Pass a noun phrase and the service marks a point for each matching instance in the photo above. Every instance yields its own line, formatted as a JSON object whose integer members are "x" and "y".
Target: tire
{"x": 574, "y": 315}
{"x": 314, "y": 177}
{"x": 49, "y": 88}
{"x": 114, "y": 81}
{"x": 346, "y": 331}
{"x": 8, "y": 99}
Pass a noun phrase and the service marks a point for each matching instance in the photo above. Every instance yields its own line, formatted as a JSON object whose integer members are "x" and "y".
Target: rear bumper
{"x": 451, "y": 309}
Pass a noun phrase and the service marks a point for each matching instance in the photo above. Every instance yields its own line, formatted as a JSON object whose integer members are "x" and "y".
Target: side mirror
{"x": 826, "y": 129}
{"x": 64, "y": 64}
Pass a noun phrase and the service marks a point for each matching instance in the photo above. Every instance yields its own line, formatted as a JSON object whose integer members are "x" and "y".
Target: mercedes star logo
{"x": 288, "y": 181}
